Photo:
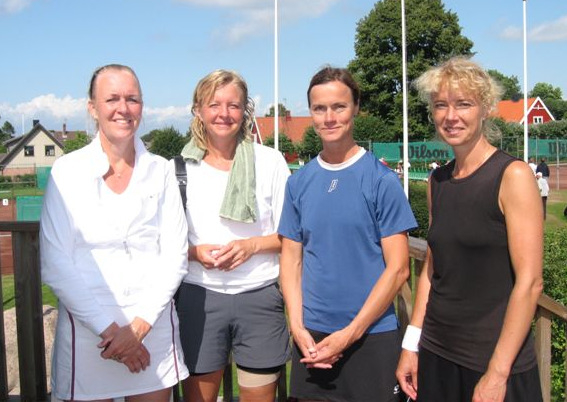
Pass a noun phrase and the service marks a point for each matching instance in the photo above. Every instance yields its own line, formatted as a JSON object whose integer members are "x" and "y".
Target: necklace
{"x": 457, "y": 173}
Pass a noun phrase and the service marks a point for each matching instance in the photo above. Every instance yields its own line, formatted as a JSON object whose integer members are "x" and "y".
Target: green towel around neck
{"x": 239, "y": 202}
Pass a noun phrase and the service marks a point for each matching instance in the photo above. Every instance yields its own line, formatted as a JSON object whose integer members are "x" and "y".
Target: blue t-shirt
{"x": 340, "y": 216}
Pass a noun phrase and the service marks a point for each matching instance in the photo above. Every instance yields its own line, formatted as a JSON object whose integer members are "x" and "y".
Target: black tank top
{"x": 472, "y": 271}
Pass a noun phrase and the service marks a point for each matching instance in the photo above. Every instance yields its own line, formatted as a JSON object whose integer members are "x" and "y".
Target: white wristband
{"x": 411, "y": 338}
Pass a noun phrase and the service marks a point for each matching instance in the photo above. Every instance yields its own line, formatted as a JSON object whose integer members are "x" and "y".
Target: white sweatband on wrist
{"x": 411, "y": 338}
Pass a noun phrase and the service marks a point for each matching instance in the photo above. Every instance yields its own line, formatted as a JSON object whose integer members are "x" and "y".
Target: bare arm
{"x": 521, "y": 204}
{"x": 407, "y": 366}
{"x": 291, "y": 267}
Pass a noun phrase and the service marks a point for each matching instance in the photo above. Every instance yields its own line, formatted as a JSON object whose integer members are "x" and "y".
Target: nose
{"x": 122, "y": 105}
{"x": 451, "y": 112}
{"x": 329, "y": 115}
{"x": 224, "y": 110}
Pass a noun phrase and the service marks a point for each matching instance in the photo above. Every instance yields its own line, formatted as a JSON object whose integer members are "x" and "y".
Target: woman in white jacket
{"x": 114, "y": 249}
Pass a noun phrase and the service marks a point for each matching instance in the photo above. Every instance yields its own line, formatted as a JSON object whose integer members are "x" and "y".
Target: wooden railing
{"x": 29, "y": 312}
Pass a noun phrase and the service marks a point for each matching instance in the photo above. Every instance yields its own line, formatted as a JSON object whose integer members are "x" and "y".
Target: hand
{"x": 329, "y": 350}
{"x": 124, "y": 344}
{"x": 205, "y": 254}
{"x": 137, "y": 361}
{"x": 490, "y": 388}
{"x": 304, "y": 342}
{"x": 406, "y": 372}
{"x": 233, "y": 254}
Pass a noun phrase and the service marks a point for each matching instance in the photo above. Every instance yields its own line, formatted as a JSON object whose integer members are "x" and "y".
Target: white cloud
{"x": 46, "y": 105}
{"x": 511, "y": 33}
{"x": 256, "y": 16}
{"x": 53, "y": 111}
{"x": 13, "y": 6}
{"x": 553, "y": 31}
{"x": 160, "y": 117}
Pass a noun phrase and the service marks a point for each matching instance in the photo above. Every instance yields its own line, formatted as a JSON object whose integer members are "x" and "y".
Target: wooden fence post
{"x": 29, "y": 312}
{"x": 543, "y": 350}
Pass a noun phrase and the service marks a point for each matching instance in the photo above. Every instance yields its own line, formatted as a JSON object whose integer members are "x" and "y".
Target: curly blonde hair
{"x": 460, "y": 73}
{"x": 204, "y": 92}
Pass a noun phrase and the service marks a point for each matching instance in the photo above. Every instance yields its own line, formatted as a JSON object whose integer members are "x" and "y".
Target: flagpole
{"x": 276, "y": 89}
{"x": 405, "y": 104}
{"x": 526, "y": 150}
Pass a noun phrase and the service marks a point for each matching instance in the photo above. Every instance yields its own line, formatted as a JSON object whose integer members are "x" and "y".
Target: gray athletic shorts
{"x": 251, "y": 325}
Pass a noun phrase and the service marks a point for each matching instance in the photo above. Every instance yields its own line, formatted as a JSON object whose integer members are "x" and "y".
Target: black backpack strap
{"x": 181, "y": 174}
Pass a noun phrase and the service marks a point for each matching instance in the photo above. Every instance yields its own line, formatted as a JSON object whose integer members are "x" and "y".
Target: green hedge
{"x": 555, "y": 286}
{"x": 418, "y": 202}
{"x": 19, "y": 181}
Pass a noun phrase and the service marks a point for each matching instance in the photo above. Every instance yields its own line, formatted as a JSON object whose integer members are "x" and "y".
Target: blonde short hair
{"x": 463, "y": 74}
{"x": 204, "y": 92}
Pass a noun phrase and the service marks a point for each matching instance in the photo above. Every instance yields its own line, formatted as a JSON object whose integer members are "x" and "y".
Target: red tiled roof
{"x": 293, "y": 127}
{"x": 512, "y": 111}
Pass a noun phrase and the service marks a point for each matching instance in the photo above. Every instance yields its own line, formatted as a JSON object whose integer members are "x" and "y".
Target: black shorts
{"x": 441, "y": 380}
{"x": 365, "y": 373}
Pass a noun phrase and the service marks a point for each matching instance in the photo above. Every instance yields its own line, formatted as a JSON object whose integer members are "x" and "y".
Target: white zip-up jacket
{"x": 98, "y": 248}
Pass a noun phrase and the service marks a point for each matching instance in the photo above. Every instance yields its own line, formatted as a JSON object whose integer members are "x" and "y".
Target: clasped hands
{"x": 326, "y": 353}
{"x": 124, "y": 344}
{"x": 224, "y": 258}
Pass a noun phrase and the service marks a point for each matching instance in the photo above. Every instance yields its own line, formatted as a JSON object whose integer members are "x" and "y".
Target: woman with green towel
{"x": 230, "y": 301}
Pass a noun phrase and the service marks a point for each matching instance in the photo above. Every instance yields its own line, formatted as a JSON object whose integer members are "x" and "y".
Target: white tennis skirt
{"x": 79, "y": 372}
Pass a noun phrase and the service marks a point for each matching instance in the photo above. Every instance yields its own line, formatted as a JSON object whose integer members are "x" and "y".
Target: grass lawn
{"x": 8, "y": 293}
{"x": 13, "y": 193}
{"x": 556, "y": 203}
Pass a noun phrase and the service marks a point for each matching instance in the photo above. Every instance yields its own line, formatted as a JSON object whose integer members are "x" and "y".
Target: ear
{"x": 197, "y": 113}
{"x": 92, "y": 110}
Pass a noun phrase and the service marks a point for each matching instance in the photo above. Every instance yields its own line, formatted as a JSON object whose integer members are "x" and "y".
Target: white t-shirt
{"x": 205, "y": 191}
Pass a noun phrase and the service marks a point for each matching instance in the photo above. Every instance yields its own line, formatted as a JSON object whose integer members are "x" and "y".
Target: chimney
{"x": 64, "y": 132}
{"x": 35, "y": 122}
{"x": 287, "y": 115}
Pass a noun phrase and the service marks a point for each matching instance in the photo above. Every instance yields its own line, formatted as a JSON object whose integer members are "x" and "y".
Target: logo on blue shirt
{"x": 333, "y": 185}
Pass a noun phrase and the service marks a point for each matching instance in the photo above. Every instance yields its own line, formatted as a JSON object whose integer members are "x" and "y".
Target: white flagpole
{"x": 405, "y": 103}
{"x": 526, "y": 122}
{"x": 276, "y": 95}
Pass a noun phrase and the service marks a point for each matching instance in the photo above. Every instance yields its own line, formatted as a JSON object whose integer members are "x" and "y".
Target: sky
{"x": 51, "y": 47}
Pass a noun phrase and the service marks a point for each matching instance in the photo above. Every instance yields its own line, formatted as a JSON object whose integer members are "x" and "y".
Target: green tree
{"x": 432, "y": 35}
{"x": 167, "y": 142}
{"x": 147, "y": 138}
{"x": 311, "y": 144}
{"x": 557, "y": 107}
{"x": 372, "y": 128}
{"x": 545, "y": 91}
{"x": 511, "y": 85}
{"x": 284, "y": 144}
{"x": 8, "y": 129}
{"x": 281, "y": 111}
{"x": 78, "y": 142}
{"x": 552, "y": 97}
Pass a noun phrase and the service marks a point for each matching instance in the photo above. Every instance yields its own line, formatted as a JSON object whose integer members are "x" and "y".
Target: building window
{"x": 28, "y": 150}
{"x": 538, "y": 119}
{"x": 50, "y": 150}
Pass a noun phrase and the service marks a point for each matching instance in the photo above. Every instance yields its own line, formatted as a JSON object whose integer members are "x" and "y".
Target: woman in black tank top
{"x": 478, "y": 291}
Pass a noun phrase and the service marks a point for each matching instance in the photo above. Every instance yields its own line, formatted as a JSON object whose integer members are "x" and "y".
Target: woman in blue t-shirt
{"x": 344, "y": 257}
